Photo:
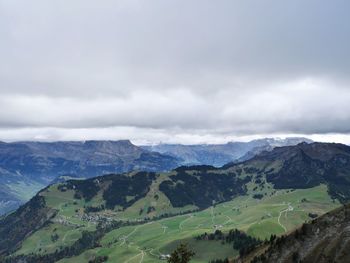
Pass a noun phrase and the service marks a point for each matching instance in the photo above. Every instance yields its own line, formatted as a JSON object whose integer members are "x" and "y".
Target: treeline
{"x": 121, "y": 187}
{"x": 278, "y": 243}
{"x": 301, "y": 172}
{"x": 86, "y": 189}
{"x": 240, "y": 241}
{"x": 201, "y": 188}
{"x": 25, "y": 220}
{"x": 94, "y": 209}
{"x": 99, "y": 259}
{"x": 226, "y": 260}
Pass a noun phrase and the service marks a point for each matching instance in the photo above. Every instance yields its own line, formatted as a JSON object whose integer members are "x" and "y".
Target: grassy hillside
{"x": 137, "y": 217}
{"x": 324, "y": 239}
{"x": 259, "y": 218}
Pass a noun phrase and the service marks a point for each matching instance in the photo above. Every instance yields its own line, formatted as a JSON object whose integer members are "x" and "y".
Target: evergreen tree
{"x": 182, "y": 254}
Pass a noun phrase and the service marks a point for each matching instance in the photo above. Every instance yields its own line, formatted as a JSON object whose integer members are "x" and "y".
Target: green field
{"x": 276, "y": 213}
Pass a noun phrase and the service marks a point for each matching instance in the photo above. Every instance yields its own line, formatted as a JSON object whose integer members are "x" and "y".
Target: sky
{"x": 180, "y": 71}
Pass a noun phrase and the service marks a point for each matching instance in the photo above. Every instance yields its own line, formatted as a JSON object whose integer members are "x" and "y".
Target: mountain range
{"x": 220, "y": 154}
{"x": 143, "y": 215}
{"x": 27, "y": 167}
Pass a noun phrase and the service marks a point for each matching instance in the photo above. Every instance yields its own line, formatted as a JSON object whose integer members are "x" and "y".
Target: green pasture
{"x": 277, "y": 213}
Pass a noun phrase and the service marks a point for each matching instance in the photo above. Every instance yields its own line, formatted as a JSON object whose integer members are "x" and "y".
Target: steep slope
{"x": 26, "y": 220}
{"x": 253, "y": 152}
{"x": 8, "y": 201}
{"x": 307, "y": 165}
{"x": 26, "y": 167}
{"x": 325, "y": 239}
{"x": 220, "y": 154}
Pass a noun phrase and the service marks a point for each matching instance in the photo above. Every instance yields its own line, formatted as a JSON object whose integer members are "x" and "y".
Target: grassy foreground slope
{"x": 324, "y": 239}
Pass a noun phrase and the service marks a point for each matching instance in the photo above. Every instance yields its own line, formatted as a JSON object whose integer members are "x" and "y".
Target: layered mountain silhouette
{"x": 221, "y": 154}
{"x": 31, "y": 166}
{"x": 27, "y": 167}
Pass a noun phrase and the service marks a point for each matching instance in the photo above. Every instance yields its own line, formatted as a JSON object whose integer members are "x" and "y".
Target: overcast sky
{"x": 174, "y": 71}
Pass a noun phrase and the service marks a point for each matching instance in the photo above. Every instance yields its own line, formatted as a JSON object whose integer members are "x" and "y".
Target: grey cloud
{"x": 188, "y": 67}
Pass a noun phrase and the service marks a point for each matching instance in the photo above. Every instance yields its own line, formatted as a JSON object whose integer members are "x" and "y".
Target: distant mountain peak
{"x": 221, "y": 154}
{"x": 315, "y": 150}
{"x": 103, "y": 142}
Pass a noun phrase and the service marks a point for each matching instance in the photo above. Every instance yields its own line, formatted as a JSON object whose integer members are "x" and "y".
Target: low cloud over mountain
{"x": 179, "y": 69}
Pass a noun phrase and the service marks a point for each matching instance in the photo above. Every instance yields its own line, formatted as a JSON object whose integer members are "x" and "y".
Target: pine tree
{"x": 182, "y": 254}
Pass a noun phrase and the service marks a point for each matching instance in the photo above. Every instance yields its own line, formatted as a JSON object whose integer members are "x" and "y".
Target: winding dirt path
{"x": 290, "y": 208}
{"x": 182, "y": 222}
{"x": 212, "y": 216}
{"x": 136, "y": 256}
